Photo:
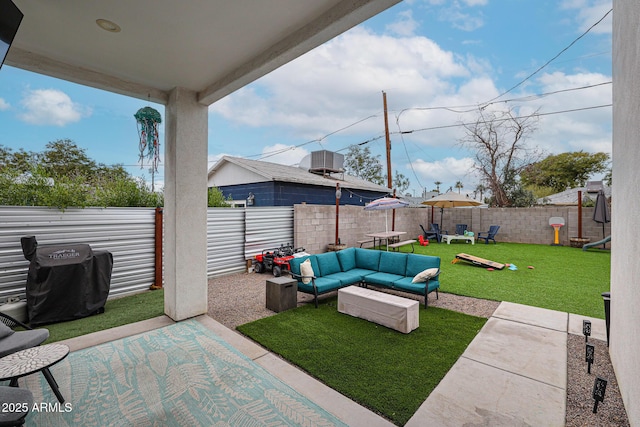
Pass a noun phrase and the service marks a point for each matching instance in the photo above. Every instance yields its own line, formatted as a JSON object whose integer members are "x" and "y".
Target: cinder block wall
{"x": 315, "y": 225}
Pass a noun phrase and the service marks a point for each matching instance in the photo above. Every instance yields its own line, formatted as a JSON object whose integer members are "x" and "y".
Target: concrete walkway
{"x": 514, "y": 372}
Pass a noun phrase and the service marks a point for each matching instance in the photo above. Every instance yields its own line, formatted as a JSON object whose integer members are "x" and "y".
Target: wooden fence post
{"x": 157, "y": 284}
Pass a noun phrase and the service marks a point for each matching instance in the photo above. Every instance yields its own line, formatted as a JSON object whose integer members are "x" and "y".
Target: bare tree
{"x": 498, "y": 140}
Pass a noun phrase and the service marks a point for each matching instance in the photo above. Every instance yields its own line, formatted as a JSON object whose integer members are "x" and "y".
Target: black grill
{"x": 65, "y": 281}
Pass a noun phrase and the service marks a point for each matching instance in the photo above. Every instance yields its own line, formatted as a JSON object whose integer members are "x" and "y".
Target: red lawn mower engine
{"x": 277, "y": 260}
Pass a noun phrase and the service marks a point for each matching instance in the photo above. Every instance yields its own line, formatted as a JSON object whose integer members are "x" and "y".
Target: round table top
{"x": 31, "y": 360}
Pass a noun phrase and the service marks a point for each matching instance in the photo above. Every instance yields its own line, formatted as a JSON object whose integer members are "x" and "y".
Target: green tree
{"x": 215, "y": 198}
{"x": 64, "y": 158}
{"x": 438, "y": 184}
{"x": 359, "y": 162}
{"x": 480, "y": 188}
{"x": 125, "y": 192}
{"x": 459, "y": 186}
{"x": 63, "y": 176}
{"x": 518, "y": 195}
{"x": 498, "y": 140}
{"x": 400, "y": 183}
{"x": 565, "y": 170}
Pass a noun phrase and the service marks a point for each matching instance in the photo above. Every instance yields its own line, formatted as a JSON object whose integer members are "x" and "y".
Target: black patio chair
{"x": 435, "y": 228}
{"x": 460, "y": 229}
{"x": 489, "y": 235}
{"x": 428, "y": 234}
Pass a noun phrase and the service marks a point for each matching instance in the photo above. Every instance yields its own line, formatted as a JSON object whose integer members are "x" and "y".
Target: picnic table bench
{"x": 397, "y": 245}
{"x": 362, "y": 242}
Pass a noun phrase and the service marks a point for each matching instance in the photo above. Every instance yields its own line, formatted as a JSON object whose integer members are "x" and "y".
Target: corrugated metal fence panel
{"x": 267, "y": 228}
{"x": 225, "y": 241}
{"x": 128, "y": 233}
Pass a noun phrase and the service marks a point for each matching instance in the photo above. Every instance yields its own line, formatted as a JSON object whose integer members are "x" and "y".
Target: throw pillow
{"x": 5, "y": 331}
{"x": 306, "y": 271}
{"x": 425, "y": 275}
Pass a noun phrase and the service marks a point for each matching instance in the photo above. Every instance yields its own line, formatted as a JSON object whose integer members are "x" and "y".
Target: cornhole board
{"x": 478, "y": 261}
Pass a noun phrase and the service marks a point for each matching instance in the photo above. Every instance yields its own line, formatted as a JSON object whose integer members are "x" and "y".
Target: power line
{"x": 452, "y": 109}
{"x": 318, "y": 140}
{"x": 505, "y": 119}
{"x": 474, "y": 107}
{"x": 551, "y": 60}
{"x": 262, "y": 156}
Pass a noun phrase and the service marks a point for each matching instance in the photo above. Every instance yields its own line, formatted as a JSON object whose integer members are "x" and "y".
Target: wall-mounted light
{"x": 107, "y": 25}
{"x": 250, "y": 199}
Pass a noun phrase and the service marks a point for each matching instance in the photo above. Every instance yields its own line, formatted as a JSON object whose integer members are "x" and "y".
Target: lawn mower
{"x": 276, "y": 260}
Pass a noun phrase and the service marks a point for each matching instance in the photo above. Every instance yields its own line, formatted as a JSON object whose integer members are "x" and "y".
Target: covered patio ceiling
{"x": 211, "y": 47}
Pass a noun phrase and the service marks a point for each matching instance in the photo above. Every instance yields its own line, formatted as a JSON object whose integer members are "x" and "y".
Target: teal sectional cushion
{"x": 294, "y": 264}
{"x": 347, "y": 258}
{"x": 362, "y": 272}
{"x": 417, "y": 263}
{"x": 393, "y": 263}
{"x": 368, "y": 259}
{"x": 346, "y": 277}
{"x": 328, "y": 263}
{"x": 323, "y": 284}
{"x": 405, "y": 284}
{"x": 383, "y": 279}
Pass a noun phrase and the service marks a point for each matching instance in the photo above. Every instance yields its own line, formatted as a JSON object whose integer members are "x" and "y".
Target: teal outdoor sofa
{"x": 357, "y": 266}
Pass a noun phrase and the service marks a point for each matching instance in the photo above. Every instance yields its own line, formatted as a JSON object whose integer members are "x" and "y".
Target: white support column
{"x": 185, "y": 211}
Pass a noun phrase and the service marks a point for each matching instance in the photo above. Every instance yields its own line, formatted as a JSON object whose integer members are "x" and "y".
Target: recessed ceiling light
{"x": 107, "y": 25}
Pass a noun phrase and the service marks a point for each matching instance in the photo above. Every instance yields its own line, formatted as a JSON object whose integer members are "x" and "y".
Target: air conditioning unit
{"x": 594, "y": 186}
{"x": 324, "y": 161}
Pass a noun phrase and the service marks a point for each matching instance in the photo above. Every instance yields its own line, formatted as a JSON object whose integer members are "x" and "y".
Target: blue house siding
{"x": 289, "y": 194}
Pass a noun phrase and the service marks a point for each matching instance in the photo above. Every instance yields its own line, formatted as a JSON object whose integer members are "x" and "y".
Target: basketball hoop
{"x": 556, "y": 222}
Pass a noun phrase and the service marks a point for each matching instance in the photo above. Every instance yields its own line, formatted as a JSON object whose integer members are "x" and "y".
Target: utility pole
{"x": 388, "y": 140}
{"x": 388, "y": 143}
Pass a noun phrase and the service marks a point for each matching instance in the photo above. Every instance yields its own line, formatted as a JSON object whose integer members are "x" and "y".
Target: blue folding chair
{"x": 489, "y": 235}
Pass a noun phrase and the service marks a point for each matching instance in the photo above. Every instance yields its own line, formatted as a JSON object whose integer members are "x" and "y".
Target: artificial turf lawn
{"x": 118, "y": 312}
{"x": 563, "y": 278}
{"x": 387, "y": 371}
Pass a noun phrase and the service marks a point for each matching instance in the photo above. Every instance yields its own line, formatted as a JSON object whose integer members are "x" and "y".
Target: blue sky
{"x": 423, "y": 53}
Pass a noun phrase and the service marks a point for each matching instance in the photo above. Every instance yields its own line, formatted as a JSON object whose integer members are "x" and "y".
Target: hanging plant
{"x": 148, "y": 120}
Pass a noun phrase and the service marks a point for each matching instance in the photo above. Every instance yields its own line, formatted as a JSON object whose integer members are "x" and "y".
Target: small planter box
{"x": 578, "y": 242}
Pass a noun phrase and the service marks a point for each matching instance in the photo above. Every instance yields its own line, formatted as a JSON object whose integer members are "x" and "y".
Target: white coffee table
{"x": 450, "y": 237}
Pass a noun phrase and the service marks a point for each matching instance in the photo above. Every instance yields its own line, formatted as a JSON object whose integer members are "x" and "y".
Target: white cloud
{"x": 460, "y": 14}
{"x": 341, "y": 82}
{"x": 51, "y": 107}
{"x": 405, "y": 25}
{"x": 447, "y": 171}
{"x": 462, "y": 21}
{"x": 588, "y": 12}
{"x": 278, "y": 153}
{"x": 585, "y": 129}
{"x": 4, "y": 105}
{"x": 283, "y": 154}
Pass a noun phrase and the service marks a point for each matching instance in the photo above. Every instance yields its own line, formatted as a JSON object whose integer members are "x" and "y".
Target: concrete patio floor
{"x": 513, "y": 373}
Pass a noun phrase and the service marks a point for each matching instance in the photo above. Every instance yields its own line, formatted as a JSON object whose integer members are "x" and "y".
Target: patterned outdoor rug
{"x": 179, "y": 375}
